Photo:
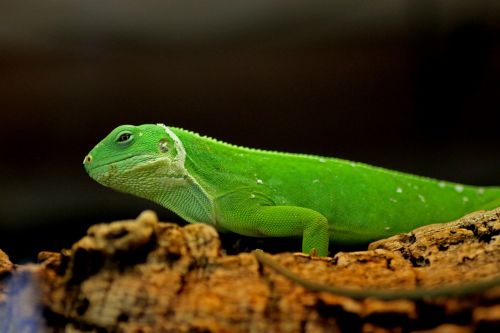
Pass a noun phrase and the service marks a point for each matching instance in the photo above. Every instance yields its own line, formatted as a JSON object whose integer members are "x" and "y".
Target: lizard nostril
{"x": 87, "y": 159}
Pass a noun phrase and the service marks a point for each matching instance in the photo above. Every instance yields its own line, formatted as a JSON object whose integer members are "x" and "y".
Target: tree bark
{"x": 146, "y": 276}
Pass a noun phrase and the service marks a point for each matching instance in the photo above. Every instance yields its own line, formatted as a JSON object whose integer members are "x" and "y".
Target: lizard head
{"x": 137, "y": 159}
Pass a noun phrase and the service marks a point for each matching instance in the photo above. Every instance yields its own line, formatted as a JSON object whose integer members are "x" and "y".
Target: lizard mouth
{"x": 95, "y": 168}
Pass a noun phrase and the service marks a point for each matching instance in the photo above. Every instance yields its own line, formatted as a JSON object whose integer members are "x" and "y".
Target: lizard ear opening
{"x": 163, "y": 145}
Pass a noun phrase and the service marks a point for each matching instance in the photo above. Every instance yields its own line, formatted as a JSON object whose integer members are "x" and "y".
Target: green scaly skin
{"x": 270, "y": 194}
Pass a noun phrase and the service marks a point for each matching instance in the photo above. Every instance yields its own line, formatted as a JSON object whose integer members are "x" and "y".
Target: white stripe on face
{"x": 179, "y": 147}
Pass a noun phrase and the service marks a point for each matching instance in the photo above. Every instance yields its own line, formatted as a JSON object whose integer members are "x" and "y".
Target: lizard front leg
{"x": 253, "y": 214}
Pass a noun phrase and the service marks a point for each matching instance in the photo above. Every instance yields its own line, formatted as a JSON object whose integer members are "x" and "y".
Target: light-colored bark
{"x": 146, "y": 276}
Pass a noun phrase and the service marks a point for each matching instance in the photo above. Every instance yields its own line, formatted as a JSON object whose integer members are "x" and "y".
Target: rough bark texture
{"x": 6, "y": 268}
{"x": 146, "y": 276}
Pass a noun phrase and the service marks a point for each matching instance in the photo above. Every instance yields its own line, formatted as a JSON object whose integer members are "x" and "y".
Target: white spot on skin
{"x": 387, "y": 228}
{"x": 480, "y": 191}
{"x": 353, "y": 164}
{"x": 412, "y": 186}
{"x": 465, "y": 199}
{"x": 316, "y": 181}
{"x": 459, "y": 188}
{"x": 441, "y": 184}
{"x": 141, "y": 134}
{"x": 322, "y": 160}
{"x": 393, "y": 200}
{"x": 259, "y": 181}
{"x": 252, "y": 196}
{"x": 399, "y": 190}
{"x": 421, "y": 197}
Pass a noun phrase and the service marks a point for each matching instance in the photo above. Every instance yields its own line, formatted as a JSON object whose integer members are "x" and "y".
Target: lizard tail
{"x": 494, "y": 202}
{"x": 446, "y": 291}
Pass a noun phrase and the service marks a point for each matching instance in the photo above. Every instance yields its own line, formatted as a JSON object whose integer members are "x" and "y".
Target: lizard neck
{"x": 168, "y": 183}
{"x": 185, "y": 197}
{"x": 178, "y": 190}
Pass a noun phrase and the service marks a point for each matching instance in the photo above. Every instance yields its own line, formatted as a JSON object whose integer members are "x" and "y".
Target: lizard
{"x": 263, "y": 193}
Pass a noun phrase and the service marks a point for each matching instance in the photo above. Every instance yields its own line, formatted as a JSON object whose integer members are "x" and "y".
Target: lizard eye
{"x": 124, "y": 137}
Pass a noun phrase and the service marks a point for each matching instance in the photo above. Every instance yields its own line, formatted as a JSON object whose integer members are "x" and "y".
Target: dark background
{"x": 409, "y": 85}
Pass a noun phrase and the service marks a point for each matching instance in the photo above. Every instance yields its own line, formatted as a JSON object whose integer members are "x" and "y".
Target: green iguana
{"x": 271, "y": 194}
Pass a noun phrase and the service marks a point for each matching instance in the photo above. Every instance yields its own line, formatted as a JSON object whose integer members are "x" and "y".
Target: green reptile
{"x": 271, "y": 194}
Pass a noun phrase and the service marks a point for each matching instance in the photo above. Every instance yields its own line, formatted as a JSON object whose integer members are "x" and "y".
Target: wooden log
{"x": 146, "y": 276}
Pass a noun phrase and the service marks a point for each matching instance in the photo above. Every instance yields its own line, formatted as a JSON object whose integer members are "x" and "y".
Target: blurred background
{"x": 409, "y": 85}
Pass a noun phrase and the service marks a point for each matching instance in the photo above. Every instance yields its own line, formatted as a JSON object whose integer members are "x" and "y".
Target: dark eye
{"x": 124, "y": 137}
